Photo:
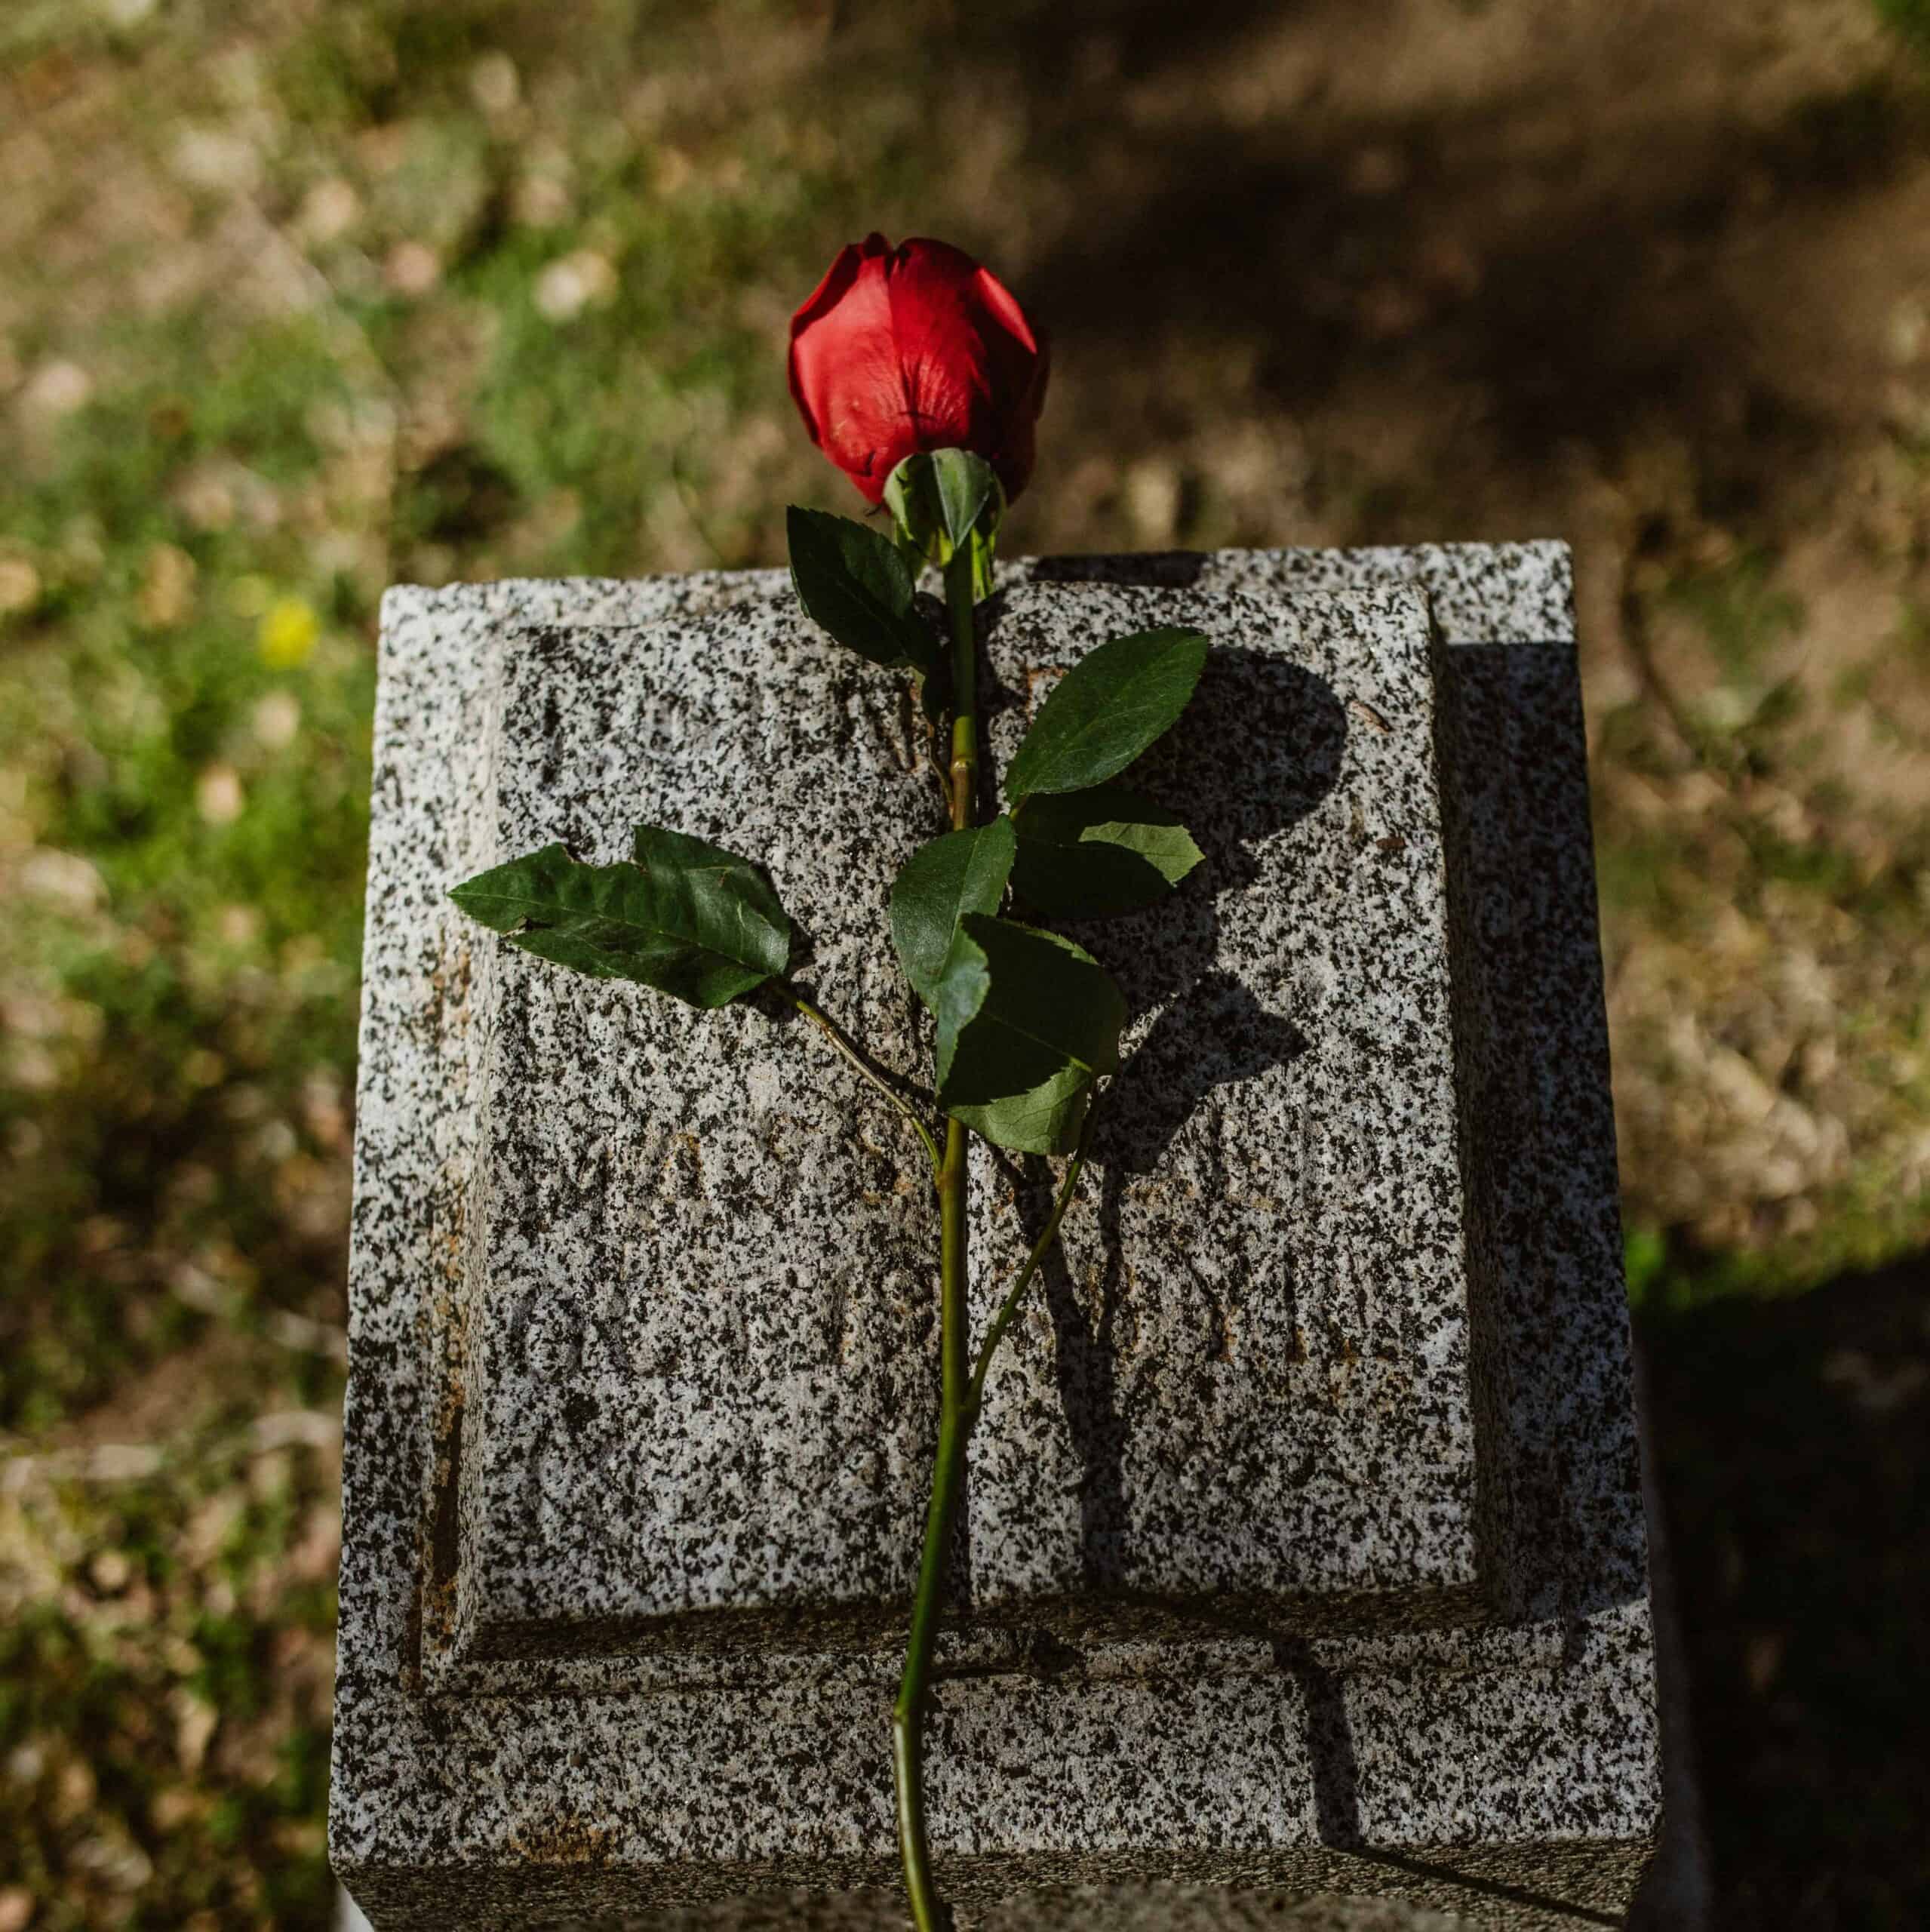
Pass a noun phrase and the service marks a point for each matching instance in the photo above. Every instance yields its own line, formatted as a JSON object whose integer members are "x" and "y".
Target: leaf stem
{"x": 1008, "y": 1308}
{"x": 907, "y": 1716}
{"x": 845, "y": 1046}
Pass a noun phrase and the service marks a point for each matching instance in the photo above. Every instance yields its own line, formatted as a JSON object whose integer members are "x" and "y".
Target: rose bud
{"x": 916, "y": 348}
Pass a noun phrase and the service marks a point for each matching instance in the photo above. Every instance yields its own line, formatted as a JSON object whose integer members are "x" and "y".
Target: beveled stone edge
{"x": 466, "y": 1651}
{"x": 1520, "y": 593}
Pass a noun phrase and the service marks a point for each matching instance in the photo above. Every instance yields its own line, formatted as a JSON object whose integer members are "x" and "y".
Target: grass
{"x": 303, "y": 299}
{"x": 190, "y": 1631}
{"x": 191, "y": 558}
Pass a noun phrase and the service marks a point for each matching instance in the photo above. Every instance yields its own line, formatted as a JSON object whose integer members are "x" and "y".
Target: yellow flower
{"x": 287, "y": 633}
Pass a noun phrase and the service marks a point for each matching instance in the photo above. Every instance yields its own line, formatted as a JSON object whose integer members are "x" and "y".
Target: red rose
{"x": 916, "y": 348}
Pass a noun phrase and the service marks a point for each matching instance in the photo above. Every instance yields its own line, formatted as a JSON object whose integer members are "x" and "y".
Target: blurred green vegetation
{"x": 341, "y": 306}
{"x": 303, "y": 299}
{"x": 1911, "y": 18}
{"x": 166, "y": 1708}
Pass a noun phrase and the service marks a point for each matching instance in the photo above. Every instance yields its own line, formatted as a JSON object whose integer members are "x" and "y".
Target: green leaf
{"x": 938, "y": 497}
{"x": 963, "y": 872}
{"x": 1046, "y": 1120}
{"x": 687, "y": 918}
{"x": 1087, "y": 855}
{"x": 1106, "y": 710}
{"x": 1026, "y": 1022}
{"x": 985, "y": 551}
{"x": 853, "y": 584}
{"x": 909, "y": 555}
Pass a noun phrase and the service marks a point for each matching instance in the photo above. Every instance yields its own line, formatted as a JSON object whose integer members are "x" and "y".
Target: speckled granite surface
{"x": 700, "y": 1336}
{"x": 487, "y": 1773}
{"x": 1244, "y": 1390}
{"x": 1142, "y": 1908}
{"x": 697, "y": 1296}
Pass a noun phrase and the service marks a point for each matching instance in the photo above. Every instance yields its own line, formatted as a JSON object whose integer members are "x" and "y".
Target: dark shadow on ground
{"x": 1545, "y": 283}
{"x": 1792, "y": 1439}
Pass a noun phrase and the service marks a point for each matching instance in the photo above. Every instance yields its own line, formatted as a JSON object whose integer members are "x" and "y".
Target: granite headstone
{"x": 1304, "y": 1543}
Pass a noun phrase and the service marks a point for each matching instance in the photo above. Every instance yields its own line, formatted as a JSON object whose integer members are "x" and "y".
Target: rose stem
{"x": 907, "y": 1743}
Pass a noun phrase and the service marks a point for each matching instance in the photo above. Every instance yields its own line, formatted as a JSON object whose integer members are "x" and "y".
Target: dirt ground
{"x": 298, "y": 298}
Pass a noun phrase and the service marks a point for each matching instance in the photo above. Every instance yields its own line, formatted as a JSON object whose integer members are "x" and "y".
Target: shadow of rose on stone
{"x": 1258, "y": 750}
